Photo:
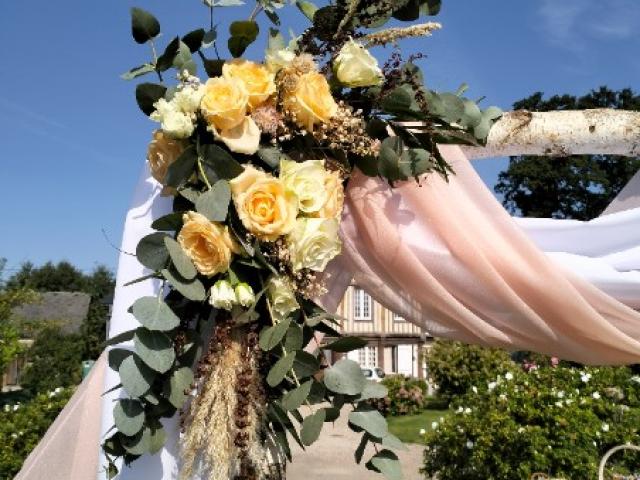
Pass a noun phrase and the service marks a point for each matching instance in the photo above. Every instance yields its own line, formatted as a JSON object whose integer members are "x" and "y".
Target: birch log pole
{"x": 559, "y": 133}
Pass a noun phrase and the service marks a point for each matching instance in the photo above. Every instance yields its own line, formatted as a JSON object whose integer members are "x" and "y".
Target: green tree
{"x": 578, "y": 186}
{"x": 63, "y": 276}
{"x": 55, "y": 361}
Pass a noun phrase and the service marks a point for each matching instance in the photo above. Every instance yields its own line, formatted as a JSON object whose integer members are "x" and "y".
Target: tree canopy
{"x": 578, "y": 186}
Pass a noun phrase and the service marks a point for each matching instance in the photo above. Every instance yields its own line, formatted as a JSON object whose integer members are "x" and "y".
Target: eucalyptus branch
{"x": 203, "y": 174}
{"x": 155, "y": 59}
{"x": 256, "y": 11}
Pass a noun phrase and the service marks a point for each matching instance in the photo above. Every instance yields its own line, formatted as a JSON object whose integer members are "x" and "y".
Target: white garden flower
{"x": 173, "y": 122}
{"x": 422, "y": 431}
{"x": 469, "y": 444}
{"x": 356, "y": 67}
{"x": 475, "y": 389}
{"x": 222, "y": 295}
{"x": 560, "y": 394}
{"x": 508, "y": 376}
{"x": 434, "y": 425}
{"x": 492, "y": 385}
{"x": 605, "y": 427}
{"x": 558, "y": 404}
{"x": 596, "y": 395}
{"x": 467, "y": 411}
{"x": 460, "y": 410}
{"x": 16, "y": 407}
{"x": 503, "y": 397}
{"x": 187, "y": 99}
{"x": 245, "y": 295}
{"x": 585, "y": 377}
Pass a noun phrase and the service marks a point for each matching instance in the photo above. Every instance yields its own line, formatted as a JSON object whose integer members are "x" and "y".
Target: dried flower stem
{"x": 392, "y": 35}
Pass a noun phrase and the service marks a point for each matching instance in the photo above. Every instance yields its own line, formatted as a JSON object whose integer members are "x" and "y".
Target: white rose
{"x": 174, "y": 122}
{"x": 283, "y": 300}
{"x": 313, "y": 243}
{"x": 276, "y": 60}
{"x": 245, "y": 295}
{"x": 222, "y": 295}
{"x": 356, "y": 67}
{"x": 187, "y": 99}
{"x": 307, "y": 180}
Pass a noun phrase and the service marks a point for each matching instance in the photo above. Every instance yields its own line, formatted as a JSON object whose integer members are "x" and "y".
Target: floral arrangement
{"x": 256, "y": 158}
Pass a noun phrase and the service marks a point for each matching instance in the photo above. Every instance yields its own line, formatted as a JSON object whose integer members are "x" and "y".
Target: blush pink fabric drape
{"x": 449, "y": 258}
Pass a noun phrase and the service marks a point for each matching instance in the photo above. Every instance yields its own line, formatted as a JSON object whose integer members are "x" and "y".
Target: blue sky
{"x": 72, "y": 141}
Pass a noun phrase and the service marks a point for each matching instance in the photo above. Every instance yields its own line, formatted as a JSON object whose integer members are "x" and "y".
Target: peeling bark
{"x": 559, "y": 133}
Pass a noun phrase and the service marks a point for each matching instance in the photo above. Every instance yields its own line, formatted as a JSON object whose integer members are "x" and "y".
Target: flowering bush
{"x": 456, "y": 366}
{"x": 23, "y": 425}
{"x": 406, "y": 396}
{"x": 556, "y": 421}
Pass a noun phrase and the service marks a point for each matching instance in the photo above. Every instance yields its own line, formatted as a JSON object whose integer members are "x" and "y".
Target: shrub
{"x": 456, "y": 366}
{"x": 23, "y": 425}
{"x": 557, "y": 421}
{"x": 407, "y": 396}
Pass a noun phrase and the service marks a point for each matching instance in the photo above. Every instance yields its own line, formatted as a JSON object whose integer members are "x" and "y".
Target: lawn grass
{"x": 407, "y": 427}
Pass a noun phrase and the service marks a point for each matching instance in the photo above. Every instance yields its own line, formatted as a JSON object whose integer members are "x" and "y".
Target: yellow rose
{"x": 356, "y": 67}
{"x": 313, "y": 242}
{"x": 224, "y": 103}
{"x": 334, "y": 189}
{"x": 162, "y": 152}
{"x": 307, "y": 180}
{"x": 257, "y": 79}
{"x": 207, "y": 243}
{"x": 265, "y": 207}
{"x": 311, "y": 101}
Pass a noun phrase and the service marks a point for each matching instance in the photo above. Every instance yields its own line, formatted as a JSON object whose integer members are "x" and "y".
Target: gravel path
{"x": 331, "y": 457}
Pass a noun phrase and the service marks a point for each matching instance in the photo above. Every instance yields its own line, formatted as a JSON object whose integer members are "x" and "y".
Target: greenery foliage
{"x": 579, "y": 186}
{"x": 22, "y": 425}
{"x": 455, "y": 366}
{"x": 556, "y": 421}
{"x": 406, "y": 396}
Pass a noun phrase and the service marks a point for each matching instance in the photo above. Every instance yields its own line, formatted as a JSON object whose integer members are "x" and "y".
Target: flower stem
{"x": 155, "y": 59}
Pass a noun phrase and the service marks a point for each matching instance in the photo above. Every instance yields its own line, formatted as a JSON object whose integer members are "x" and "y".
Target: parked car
{"x": 376, "y": 374}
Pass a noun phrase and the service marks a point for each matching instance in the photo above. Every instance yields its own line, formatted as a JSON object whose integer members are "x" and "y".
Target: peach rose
{"x": 207, "y": 243}
{"x": 258, "y": 81}
{"x": 311, "y": 101}
{"x": 334, "y": 189}
{"x": 224, "y": 103}
{"x": 265, "y": 207}
{"x": 162, "y": 152}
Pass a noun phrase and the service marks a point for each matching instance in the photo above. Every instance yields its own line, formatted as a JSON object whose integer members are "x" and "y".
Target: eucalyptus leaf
{"x": 296, "y": 397}
{"x": 165, "y": 61}
{"x": 180, "y": 260}
{"x": 154, "y": 314}
{"x": 182, "y": 168}
{"x": 242, "y": 34}
{"x": 270, "y": 337}
{"x": 214, "y": 203}
{"x": 155, "y": 349}
{"x": 139, "y": 444}
{"x": 170, "y": 222}
{"x": 346, "y": 344}
{"x": 370, "y": 421}
{"x": 345, "y": 376}
{"x": 293, "y": 339}
{"x": 194, "y": 39}
{"x": 116, "y": 356}
{"x": 138, "y": 71}
{"x": 157, "y": 439}
{"x": 391, "y": 441}
{"x": 152, "y": 252}
{"x": 309, "y": 9}
{"x": 373, "y": 389}
{"x": 305, "y": 364}
{"x": 147, "y": 94}
{"x": 190, "y": 289}
{"x": 120, "y": 338}
{"x": 213, "y": 67}
{"x": 387, "y": 463}
{"x": 311, "y": 427}
{"x": 221, "y": 162}
{"x": 209, "y": 38}
{"x": 184, "y": 60}
{"x": 144, "y": 26}
{"x": 128, "y": 415}
{"x": 280, "y": 369}
{"x": 361, "y": 447}
{"x": 179, "y": 382}
{"x": 271, "y": 156}
{"x": 135, "y": 376}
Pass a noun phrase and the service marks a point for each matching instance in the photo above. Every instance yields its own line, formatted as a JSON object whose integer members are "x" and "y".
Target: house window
{"x": 398, "y": 318}
{"x": 368, "y": 357}
{"x": 362, "y": 307}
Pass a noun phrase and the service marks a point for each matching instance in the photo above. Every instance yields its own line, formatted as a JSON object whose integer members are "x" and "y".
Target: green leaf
{"x": 401, "y": 100}
{"x": 180, "y": 260}
{"x": 155, "y": 349}
{"x": 280, "y": 369}
{"x": 179, "y": 382}
{"x": 135, "y": 376}
{"x": 190, "y": 289}
{"x": 129, "y": 416}
{"x": 213, "y": 67}
{"x": 305, "y": 364}
{"x": 414, "y": 162}
{"x": 116, "y": 356}
{"x": 430, "y": 7}
{"x": 170, "y": 222}
{"x": 391, "y": 441}
{"x": 309, "y": 9}
{"x": 270, "y": 337}
{"x": 147, "y": 94}
{"x": 346, "y": 344}
{"x": 370, "y": 421}
{"x": 184, "y": 60}
{"x": 181, "y": 170}
{"x": 214, "y": 203}
{"x": 144, "y": 26}
{"x": 120, "y": 338}
{"x": 294, "y": 338}
{"x": 139, "y": 444}
{"x": 221, "y": 162}
{"x": 296, "y": 397}
{"x": 373, "y": 389}
{"x": 138, "y": 71}
{"x": 387, "y": 463}
{"x": 409, "y": 12}
{"x": 242, "y": 34}
{"x": 210, "y": 37}
{"x": 391, "y": 150}
{"x": 193, "y": 39}
{"x": 361, "y": 447}
{"x": 271, "y": 156}
{"x": 152, "y": 252}
{"x": 345, "y": 376}
{"x": 165, "y": 61}
{"x": 154, "y": 314}
{"x": 311, "y": 427}
{"x": 157, "y": 439}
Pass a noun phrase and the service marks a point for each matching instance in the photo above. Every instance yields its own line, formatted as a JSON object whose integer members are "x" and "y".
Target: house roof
{"x": 69, "y": 309}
